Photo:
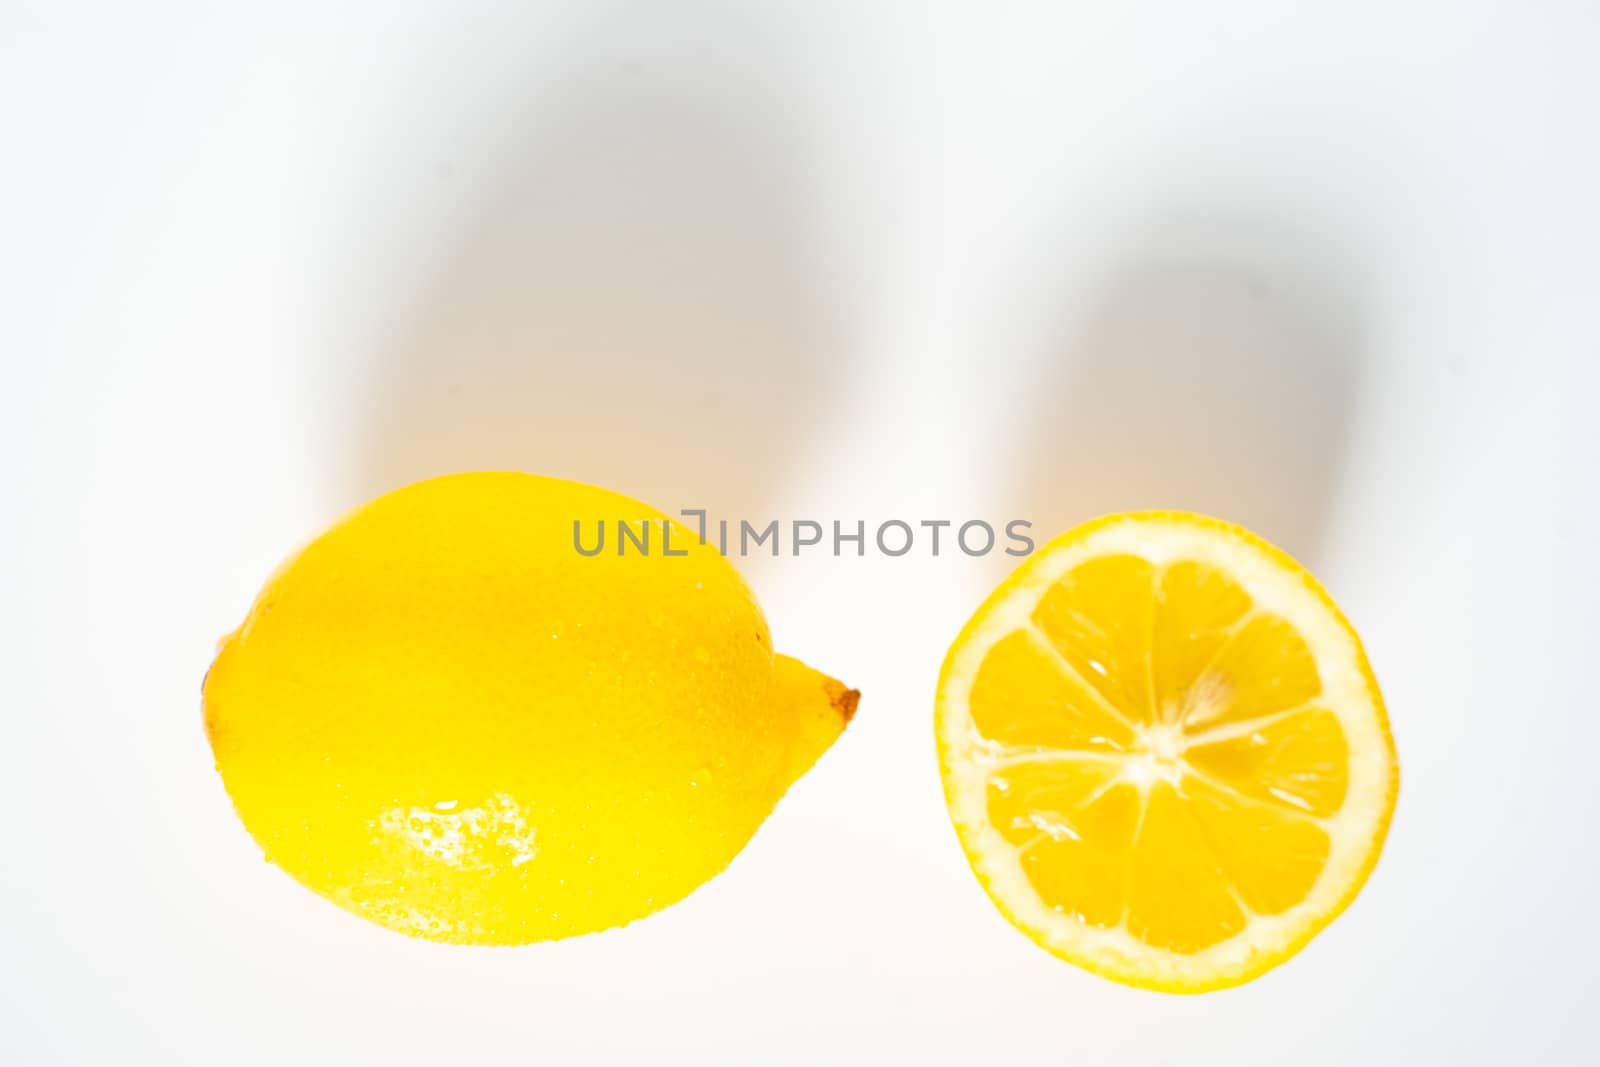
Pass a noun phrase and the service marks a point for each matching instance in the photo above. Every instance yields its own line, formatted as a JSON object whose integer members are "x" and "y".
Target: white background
{"x": 1327, "y": 269}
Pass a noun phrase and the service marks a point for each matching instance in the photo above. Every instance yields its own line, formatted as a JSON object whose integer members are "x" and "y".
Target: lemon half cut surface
{"x": 1164, "y": 752}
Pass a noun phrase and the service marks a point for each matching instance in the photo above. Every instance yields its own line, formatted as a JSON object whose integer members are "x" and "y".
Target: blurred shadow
{"x": 638, "y": 303}
{"x": 1198, "y": 381}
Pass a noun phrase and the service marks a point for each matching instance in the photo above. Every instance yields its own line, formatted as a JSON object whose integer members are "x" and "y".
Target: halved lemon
{"x": 1164, "y": 752}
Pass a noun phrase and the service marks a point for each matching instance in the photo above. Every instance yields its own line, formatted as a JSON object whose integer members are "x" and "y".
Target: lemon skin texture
{"x": 445, "y": 719}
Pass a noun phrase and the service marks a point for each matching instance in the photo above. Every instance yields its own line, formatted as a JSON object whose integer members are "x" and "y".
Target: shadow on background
{"x": 636, "y": 303}
{"x": 1200, "y": 381}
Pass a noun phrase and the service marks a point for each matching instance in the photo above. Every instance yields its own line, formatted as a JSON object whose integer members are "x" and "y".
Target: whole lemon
{"x": 453, "y": 716}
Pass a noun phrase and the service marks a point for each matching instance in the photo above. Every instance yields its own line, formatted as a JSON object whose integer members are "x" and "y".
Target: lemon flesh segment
{"x": 1164, "y": 751}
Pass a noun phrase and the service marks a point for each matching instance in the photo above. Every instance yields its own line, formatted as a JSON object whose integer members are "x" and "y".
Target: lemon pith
{"x": 445, "y": 719}
{"x": 1164, "y": 752}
